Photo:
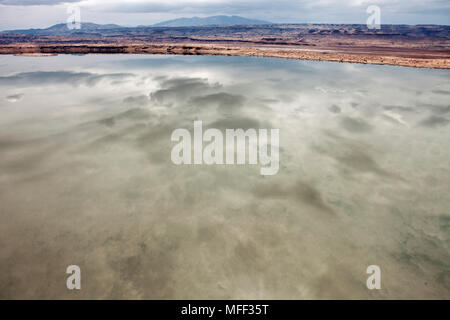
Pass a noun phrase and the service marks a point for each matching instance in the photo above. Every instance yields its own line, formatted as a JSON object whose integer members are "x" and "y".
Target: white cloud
{"x": 40, "y": 13}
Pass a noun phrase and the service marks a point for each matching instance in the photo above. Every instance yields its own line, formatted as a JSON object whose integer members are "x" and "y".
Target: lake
{"x": 86, "y": 179}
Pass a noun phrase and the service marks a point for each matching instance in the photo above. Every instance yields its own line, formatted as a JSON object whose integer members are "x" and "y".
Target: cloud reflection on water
{"x": 86, "y": 178}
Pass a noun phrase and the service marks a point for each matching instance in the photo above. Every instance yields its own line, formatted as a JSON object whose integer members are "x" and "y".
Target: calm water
{"x": 86, "y": 179}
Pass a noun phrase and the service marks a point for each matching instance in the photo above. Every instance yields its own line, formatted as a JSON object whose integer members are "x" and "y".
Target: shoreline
{"x": 381, "y": 56}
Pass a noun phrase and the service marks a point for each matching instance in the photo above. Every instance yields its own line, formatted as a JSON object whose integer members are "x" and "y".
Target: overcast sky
{"x": 43, "y": 13}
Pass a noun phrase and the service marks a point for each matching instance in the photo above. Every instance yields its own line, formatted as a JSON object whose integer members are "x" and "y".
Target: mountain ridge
{"x": 90, "y": 27}
{"x": 61, "y": 28}
{"x": 211, "y": 20}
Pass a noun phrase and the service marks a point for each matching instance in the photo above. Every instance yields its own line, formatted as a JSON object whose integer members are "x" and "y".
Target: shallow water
{"x": 86, "y": 178}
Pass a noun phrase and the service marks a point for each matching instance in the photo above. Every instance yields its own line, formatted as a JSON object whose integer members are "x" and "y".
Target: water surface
{"x": 86, "y": 179}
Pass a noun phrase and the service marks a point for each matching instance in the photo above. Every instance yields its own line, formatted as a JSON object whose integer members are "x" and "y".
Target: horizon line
{"x": 206, "y": 25}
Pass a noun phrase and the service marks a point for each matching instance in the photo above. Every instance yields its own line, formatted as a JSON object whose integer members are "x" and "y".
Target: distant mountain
{"x": 92, "y": 28}
{"x": 61, "y": 28}
{"x": 213, "y": 20}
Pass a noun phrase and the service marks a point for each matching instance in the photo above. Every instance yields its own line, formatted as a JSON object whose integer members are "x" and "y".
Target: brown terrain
{"x": 426, "y": 46}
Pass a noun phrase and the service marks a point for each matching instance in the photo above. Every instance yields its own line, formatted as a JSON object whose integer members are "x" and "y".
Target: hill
{"x": 61, "y": 28}
{"x": 213, "y": 20}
